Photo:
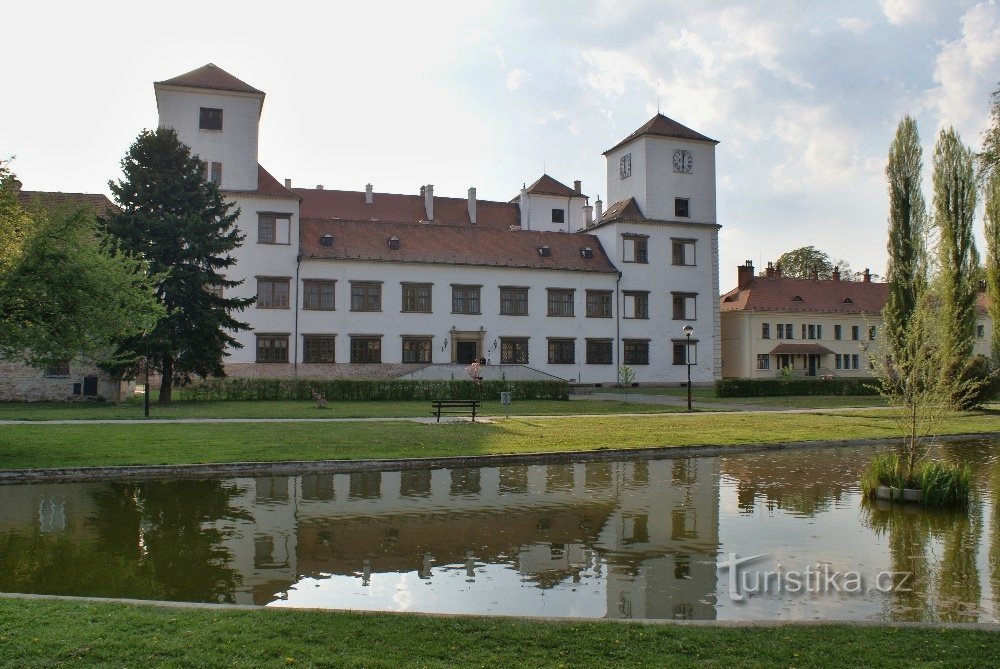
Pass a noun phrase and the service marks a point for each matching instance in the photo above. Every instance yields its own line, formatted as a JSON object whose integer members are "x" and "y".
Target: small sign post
{"x": 505, "y": 401}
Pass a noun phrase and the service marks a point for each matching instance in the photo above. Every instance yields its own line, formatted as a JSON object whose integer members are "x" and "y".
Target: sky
{"x": 803, "y": 96}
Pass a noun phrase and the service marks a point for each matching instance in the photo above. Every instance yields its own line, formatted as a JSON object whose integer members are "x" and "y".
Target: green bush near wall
{"x": 369, "y": 389}
{"x": 783, "y": 387}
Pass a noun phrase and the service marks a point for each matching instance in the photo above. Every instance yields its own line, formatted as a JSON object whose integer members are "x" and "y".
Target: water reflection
{"x": 599, "y": 539}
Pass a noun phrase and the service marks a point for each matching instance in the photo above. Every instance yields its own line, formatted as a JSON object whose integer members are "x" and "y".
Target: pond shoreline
{"x": 294, "y": 467}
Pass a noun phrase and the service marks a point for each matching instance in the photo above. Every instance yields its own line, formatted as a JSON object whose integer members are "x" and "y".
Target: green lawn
{"x": 302, "y": 409}
{"x": 31, "y": 446}
{"x": 51, "y": 633}
{"x": 707, "y": 395}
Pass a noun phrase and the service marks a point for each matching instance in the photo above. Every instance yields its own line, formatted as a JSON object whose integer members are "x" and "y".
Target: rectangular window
{"x": 366, "y": 296}
{"x": 684, "y": 306}
{"x": 680, "y": 349}
{"x": 804, "y": 331}
{"x": 417, "y": 349}
{"x": 980, "y": 331}
{"x": 216, "y": 174}
{"x": 272, "y": 293}
{"x": 599, "y": 304}
{"x": 562, "y": 351}
{"x": 366, "y": 349}
{"x": 636, "y": 304}
{"x": 819, "y": 332}
{"x": 854, "y": 361}
{"x": 635, "y": 351}
{"x": 273, "y": 228}
{"x": 625, "y": 166}
{"x": 763, "y": 361}
{"x": 855, "y": 332}
{"x": 682, "y": 207}
{"x": 514, "y": 351}
{"x": 812, "y": 331}
{"x": 836, "y": 331}
{"x": 871, "y": 332}
{"x": 560, "y": 302}
{"x": 209, "y": 119}
{"x": 464, "y": 299}
{"x": 272, "y": 348}
{"x": 788, "y": 331}
{"x": 513, "y": 301}
{"x": 836, "y": 361}
{"x": 683, "y": 251}
{"x": 558, "y": 215}
{"x": 59, "y": 369}
{"x": 765, "y": 331}
{"x": 600, "y": 352}
{"x": 318, "y": 295}
{"x": 319, "y": 348}
{"x": 417, "y": 298}
{"x": 781, "y": 330}
{"x": 636, "y": 248}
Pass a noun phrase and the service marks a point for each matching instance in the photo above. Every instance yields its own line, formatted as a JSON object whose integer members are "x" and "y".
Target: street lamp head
{"x": 688, "y": 329}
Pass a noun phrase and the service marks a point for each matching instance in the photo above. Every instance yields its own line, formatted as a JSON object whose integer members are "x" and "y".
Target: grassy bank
{"x": 302, "y": 409}
{"x": 708, "y": 396}
{"x": 50, "y": 633}
{"x": 24, "y": 446}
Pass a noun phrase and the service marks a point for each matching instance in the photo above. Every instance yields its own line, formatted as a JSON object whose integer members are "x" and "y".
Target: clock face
{"x": 683, "y": 161}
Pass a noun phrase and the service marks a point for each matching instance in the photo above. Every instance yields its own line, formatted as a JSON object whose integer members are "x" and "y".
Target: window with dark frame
{"x": 272, "y": 348}
{"x": 417, "y": 298}
{"x": 763, "y": 361}
{"x": 465, "y": 299}
{"x": 765, "y": 331}
{"x": 980, "y": 331}
{"x": 216, "y": 174}
{"x": 417, "y": 349}
{"x": 788, "y": 331}
{"x": 679, "y": 353}
{"x": 513, "y": 301}
{"x": 636, "y": 248}
{"x": 684, "y": 307}
{"x": 319, "y": 295}
{"x": 366, "y": 349}
{"x": 513, "y": 350}
{"x": 558, "y": 215}
{"x": 600, "y": 352}
{"x": 682, "y": 207}
{"x": 562, "y": 351}
{"x": 58, "y": 369}
{"x": 781, "y": 330}
{"x": 636, "y": 303}
{"x": 265, "y": 229}
{"x": 560, "y": 301}
{"x": 366, "y": 296}
{"x": 682, "y": 252}
{"x": 209, "y": 119}
{"x": 635, "y": 351}
{"x": 599, "y": 304}
{"x": 319, "y": 348}
{"x": 272, "y": 292}
{"x": 625, "y": 166}
{"x": 871, "y": 332}
{"x": 836, "y": 331}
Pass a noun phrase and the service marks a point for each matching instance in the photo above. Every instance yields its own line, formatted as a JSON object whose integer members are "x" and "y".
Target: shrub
{"x": 940, "y": 483}
{"x": 340, "y": 390}
{"x": 981, "y": 384}
{"x": 788, "y": 387}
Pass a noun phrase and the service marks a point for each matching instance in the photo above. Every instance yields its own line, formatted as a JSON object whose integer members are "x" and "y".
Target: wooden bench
{"x": 455, "y": 407}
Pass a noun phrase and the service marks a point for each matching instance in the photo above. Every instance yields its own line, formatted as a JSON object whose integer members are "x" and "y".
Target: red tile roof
{"x": 396, "y": 208}
{"x": 451, "y": 244}
{"x": 800, "y": 349}
{"x": 623, "y": 210}
{"x": 662, "y": 126}
{"x": 95, "y": 202}
{"x": 267, "y": 186}
{"x": 213, "y": 77}
{"x": 546, "y": 185}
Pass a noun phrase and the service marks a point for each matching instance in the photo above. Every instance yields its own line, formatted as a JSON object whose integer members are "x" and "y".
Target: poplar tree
{"x": 183, "y": 227}
{"x": 992, "y": 225}
{"x": 989, "y": 159}
{"x": 958, "y": 260}
{"x": 907, "y": 269}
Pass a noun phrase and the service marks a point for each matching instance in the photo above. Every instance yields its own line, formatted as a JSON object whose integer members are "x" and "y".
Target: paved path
{"x": 674, "y": 401}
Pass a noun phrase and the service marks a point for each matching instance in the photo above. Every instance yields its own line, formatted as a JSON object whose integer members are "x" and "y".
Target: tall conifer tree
{"x": 183, "y": 227}
{"x": 992, "y": 225}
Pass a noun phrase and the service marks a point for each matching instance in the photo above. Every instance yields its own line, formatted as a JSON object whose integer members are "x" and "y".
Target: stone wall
{"x": 21, "y": 383}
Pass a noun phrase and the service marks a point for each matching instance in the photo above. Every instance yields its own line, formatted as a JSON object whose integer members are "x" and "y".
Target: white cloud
{"x": 854, "y": 24}
{"x": 515, "y": 78}
{"x": 901, "y": 12}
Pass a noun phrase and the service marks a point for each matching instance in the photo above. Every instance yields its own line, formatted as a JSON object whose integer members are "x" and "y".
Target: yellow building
{"x": 817, "y": 327}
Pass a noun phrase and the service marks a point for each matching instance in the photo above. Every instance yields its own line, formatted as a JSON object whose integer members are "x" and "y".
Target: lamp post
{"x": 145, "y": 394}
{"x": 688, "y": 329}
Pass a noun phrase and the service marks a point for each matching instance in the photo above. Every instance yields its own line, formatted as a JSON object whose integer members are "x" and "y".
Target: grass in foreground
{"x": 132, "y": 409}
{"x": 80, "y": 634}
{"x": 35, "y": 446}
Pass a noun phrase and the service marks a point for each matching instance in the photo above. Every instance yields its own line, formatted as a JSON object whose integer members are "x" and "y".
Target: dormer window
{"x": 848, "y": 300}
{"x": 797, "y": 298}
{"x": 210, "y": 119}
{"x": 394, "y": 243}
{"x": 544, "y": 251}
{"x": 326, "y": 240}
{"x": 587, "y": 252}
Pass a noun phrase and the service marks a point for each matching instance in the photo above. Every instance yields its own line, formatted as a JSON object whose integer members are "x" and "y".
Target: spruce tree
{"x": 183, "y": 227}
{"x": 958, "y": 260}
{"x": 992, "y": 225}
{"x": 907, "y": 269}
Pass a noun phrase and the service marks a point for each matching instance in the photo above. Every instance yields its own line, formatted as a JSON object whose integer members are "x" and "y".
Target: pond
{"x": 616, "y": 539}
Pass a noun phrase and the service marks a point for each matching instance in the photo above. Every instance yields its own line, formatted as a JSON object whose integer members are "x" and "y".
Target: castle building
{"x": 373, "y": 284}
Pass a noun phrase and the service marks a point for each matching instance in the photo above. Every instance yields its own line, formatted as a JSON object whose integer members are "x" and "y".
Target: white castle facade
{"x": 362, "y": 283}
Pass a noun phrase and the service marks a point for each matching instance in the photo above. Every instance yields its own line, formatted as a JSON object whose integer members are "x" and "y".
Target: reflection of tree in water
{"x": 166, "y": 527}
{"x": 948, "y": 591}
{"x": 994, "y": 474}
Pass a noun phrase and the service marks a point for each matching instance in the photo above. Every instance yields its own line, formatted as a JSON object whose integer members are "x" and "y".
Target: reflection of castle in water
{"x": 646, "y": 530}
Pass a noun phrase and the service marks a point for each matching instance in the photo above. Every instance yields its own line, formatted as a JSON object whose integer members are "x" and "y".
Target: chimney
{"x": 472, "y": 204}
{"x": 429, "y": 201}
{"x": 288, "y": 183}
{"x": 577, "y": 187}
{"x": 369, "y": 196}
{"x": 836, "y": 274}
{"x": 769, "y": 272}
{"x": 777, "y": 270}
{"x": 319, "y": 186}
{"x": 867, "y": 276}
{"x": 599, "y": 213}
{"x": 523, "y": 204}
{"x": 588, "y": 216}
{"x": 744, "y": 275}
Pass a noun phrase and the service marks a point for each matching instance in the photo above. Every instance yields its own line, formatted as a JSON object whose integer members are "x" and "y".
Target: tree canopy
{"x": 803, "y": 262}
{"x": 989, "y": 158}
{"x": 185, "y": 229}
